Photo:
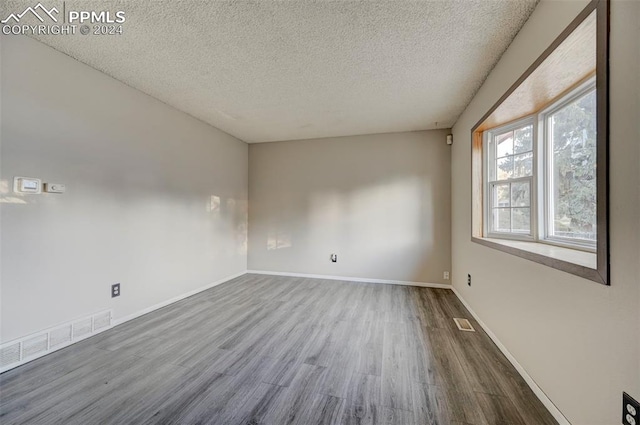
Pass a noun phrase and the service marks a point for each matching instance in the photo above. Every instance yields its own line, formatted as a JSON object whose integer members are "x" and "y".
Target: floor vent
{"x": 464, "y": 325}
{"x": 9, "y": 354}
{"x": 35, "y": 345}
{"x": 20, "y": 351}
{"x": 82, "y": 327}
{"x": 101, "y": 320}
{"x": 60, "y": 336}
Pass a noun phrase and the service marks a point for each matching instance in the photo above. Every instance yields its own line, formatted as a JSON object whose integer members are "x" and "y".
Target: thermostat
{"x": 27, "y": 185}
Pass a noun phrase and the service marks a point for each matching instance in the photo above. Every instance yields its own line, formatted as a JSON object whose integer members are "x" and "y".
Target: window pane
{"x": 504, "y": 168}
{"x": 505, "y": 144}
{"x": 521, "y": 219}
{"x": 523, "y": 139}
{"x": 573, "y": 140}
{"x": 520, "y": 194}
{"x": 510, "y": 156}
{"x": 502, "y": 219}
{"x": 501, "y": 195}
{"x": 523, "y": 165}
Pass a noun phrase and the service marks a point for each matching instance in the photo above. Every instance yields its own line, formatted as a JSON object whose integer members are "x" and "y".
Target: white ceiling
{"x": 266, "y": 70}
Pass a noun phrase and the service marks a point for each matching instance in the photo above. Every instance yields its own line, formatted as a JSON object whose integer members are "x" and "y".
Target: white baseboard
{"x": 354, "y": 279}
{"x": 555, "y": 412}
{"x": 147, "y": 310}
{"x": 114, "y": 322}
{"x": 46, "y": 332}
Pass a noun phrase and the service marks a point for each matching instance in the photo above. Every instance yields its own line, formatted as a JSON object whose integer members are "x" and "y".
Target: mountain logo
{"x": 34, "y": 11}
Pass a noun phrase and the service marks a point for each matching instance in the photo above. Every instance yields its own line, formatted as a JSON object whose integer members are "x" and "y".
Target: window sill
{"x": 580, "y": 263}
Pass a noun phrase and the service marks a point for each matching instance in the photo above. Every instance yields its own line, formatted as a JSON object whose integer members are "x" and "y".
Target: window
{"x": 565, "y": 182}
{"x": 570, "y": 140}
{"x": 539, "y": 156}
{"x": 510, "y": 179}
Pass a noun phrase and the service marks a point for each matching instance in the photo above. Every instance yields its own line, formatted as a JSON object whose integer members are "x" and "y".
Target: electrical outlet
{"x": 469, "y": 279}
{"x": 630, "y": 410}
{"x": 446, "y": 275}
{"x": 115, "y": 290}
{"x": 334, "y": 258}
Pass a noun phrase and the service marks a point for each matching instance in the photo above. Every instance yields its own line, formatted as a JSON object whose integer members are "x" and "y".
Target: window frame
{"x": 541, "y": 180}
{"x": 547, "y": 169}
{"x": 488, "y": 135}
{"x": 590, "y": 266}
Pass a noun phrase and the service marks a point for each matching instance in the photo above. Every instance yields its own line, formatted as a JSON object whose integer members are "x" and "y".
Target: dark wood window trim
{"x": 601, "y": 273}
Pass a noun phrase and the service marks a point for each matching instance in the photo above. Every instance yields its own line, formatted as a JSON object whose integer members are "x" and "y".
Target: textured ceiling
{"x": 265, "y": 70}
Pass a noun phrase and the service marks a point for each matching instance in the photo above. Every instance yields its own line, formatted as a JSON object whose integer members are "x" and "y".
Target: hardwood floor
{"x": 279, "y": 350}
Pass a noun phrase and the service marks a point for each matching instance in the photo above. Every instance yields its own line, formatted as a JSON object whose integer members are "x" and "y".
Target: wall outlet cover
{"x": 115, "y": 290}
{"x": 630, "y": 410}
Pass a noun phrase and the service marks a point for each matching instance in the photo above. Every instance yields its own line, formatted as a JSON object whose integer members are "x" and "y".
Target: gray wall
{"x": 140, "y": 179}
{"x": 580, "y": 341}
{"x": 381, "y": 202}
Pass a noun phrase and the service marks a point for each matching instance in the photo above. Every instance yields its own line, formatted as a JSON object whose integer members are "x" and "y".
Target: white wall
{"x": 580, "y": 341}
{"x": 140, "y": 179}
{"x": 381, "y": 202}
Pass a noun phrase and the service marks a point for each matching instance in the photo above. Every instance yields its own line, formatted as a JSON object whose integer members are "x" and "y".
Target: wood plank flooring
{"x": 280, "y": 350}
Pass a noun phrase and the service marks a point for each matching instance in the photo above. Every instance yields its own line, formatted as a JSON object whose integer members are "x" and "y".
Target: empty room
{"x": 398, "y": 212}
